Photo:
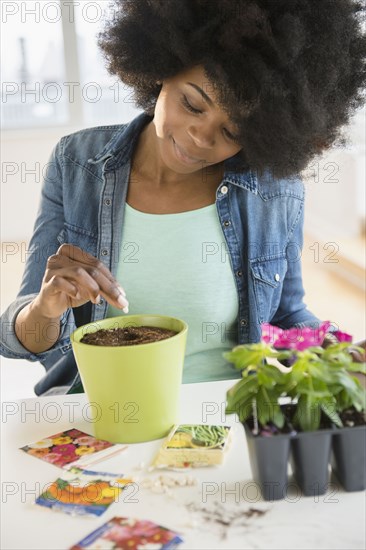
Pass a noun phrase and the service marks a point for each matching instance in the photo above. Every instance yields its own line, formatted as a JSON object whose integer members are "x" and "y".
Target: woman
{"x": 195, "y": 208}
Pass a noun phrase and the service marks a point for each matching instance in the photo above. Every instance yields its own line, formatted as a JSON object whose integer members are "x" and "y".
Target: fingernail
{"x": 122, "y": 291}
{"x": 122, "y": 301}
{"x": 125, "y": 309}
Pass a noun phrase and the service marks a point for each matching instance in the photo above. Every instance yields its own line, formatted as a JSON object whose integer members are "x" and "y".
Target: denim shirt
{"x": 82, "y": 203}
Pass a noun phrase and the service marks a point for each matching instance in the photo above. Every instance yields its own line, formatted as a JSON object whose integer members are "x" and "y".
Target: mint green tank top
{"x": 179, "y": 265}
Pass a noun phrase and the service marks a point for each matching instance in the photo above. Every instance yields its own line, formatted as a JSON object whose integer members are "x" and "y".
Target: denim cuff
{"x": 10, "y": 346}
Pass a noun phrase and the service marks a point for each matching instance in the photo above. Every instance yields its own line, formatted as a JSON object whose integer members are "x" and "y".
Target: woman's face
{"x": 192, "y": 131}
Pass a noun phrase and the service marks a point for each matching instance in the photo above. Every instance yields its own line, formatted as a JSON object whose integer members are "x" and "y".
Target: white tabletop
{"x": 335, "y": 520}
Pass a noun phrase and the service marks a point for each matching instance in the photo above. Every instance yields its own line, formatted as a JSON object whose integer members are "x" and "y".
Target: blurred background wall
{"x": 54, "y": 82}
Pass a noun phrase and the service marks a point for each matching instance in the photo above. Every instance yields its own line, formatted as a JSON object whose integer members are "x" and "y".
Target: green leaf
{"x": 345, "y": 380}
{"x": 329, "y": 407}
{"x": 357, "y": 367}
{"x": 268, "y": 408}
{"x": 298, "y": 370}
{"x": 278, "y": 416}
{"x": 321, "y": 371}
{"x": 358, "y": 399}
{"x": 312, "y": 387}
{"x": 263, "y": 408}
{"x": 336, "y": 350}
{"x": 62, "y": 484}
{"x": 307, "y": 414}
{"x": 245, "y": 410}
{"x": 314, "y": 394}
{"x": 232, "y": 391}
{"x": 274, "y": 373}
{"x": 248, "y": 355}
{"x": 241, "y": 408}
{"x": 265, "y": 379}
{"x": 246, "y": 388}
{"x": 343, "y": 401}
{"x": 318, "y": 350}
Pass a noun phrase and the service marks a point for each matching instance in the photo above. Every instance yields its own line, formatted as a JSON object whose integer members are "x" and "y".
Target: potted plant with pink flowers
{"x": 310, "y": 415}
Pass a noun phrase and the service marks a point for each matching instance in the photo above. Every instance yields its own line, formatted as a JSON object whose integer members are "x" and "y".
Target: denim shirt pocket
{"x": 78, "y": 236}
{"x": 268, "y": 276}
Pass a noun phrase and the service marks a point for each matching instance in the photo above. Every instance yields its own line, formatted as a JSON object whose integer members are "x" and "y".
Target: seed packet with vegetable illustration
{"x": 131, "y": 534}
{"x": 83, "y": 492}
{"x": 71, "y": 448}
{"x": 192, "y": 445}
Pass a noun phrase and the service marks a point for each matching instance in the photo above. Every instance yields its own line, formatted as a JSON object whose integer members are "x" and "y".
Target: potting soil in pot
{"x": 127, "y": 336}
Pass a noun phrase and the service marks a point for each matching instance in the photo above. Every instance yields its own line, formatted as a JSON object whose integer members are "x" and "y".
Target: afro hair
{"x": 289, "y": 73}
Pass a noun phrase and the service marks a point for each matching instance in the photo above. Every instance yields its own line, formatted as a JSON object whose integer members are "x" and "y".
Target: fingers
{"x": 90, "y": 285}
{"x": 76, "y": 254}
{"x": 92, "y": 278}
{"x": 60, "y": 284}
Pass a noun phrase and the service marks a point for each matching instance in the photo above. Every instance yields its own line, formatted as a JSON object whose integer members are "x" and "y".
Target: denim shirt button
{"x": 239, "y": 273}
{"x": 277, "y": 277}
{"x": 104, "y": 252}
{"x": 227, "y": 223}
{"x": 224, "y": 190}
{"x": 244, "y": 322}
{"x": 107, "y": 202}
{"x": 101, "y": 302}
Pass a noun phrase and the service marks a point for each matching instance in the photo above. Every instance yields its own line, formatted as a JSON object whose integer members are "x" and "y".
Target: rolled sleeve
{"x": 12, "y": 348}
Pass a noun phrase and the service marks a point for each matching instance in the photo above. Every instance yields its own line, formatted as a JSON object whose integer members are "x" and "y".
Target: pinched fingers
{"x": 75, "y": 254}
{"x": 79, "y": 283}
{"x": 80, "y": 256}
{"x": 90, "y": 275}
{"x": 90, "y": 283}
{"x": 60, "y": 284}
{"x": 110, "y": 289}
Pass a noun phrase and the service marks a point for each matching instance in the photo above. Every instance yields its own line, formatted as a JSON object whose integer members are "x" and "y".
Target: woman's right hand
{"x": 74, "y": 277}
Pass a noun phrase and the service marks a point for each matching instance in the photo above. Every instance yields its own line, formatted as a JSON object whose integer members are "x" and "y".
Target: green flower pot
{"x": 133, "y": 391}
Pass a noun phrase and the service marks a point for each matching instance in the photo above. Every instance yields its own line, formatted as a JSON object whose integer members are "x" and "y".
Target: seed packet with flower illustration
{"x": 128, "y": 533}
{"x": 193, "y": 445}
{"x": 72, "y": 448}
{"x": 83, "y": 492}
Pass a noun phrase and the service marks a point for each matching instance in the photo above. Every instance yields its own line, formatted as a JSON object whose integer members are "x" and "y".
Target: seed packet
{"x": 83, "y": 492}
{"x": 192, "y": 445}
{"x": 131, "y": 534}
{"x": 72, "y": 448}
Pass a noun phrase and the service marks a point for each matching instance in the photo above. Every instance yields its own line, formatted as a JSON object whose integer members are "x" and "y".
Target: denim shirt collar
{"x": 121, "y": 146}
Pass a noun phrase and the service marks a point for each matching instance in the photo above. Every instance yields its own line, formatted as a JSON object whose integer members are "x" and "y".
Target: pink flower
{"x": 52, "y": 457}
{"x": 100, "y": 445}
{"x": 66, "y": 459}
{"x": 64, "y": 449}
{"x": 294, "y": 338}
{"x": 342, "y": 336}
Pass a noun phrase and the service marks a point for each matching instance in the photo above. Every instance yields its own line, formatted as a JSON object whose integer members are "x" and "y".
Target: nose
{"x": 203, "y": 136}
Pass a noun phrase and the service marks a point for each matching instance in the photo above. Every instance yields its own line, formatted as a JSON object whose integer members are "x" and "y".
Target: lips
{"x": 184, "y": 156}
